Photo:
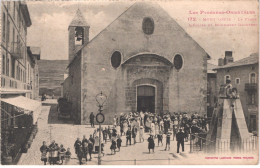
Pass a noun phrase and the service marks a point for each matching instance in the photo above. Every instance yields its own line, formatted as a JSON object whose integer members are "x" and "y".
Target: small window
{"x": 252, "y": 98}
{"x": 148, "y": 26}
{"x": 116, "y": 59}
{"x": 252, "y": 78}
{"x": 226, "y": 77}
{"x": 237, "y": 81}
{"x": 178, "y": 61}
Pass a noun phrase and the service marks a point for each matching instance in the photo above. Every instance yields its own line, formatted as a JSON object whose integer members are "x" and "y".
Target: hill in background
{"x": 51, "y": 75}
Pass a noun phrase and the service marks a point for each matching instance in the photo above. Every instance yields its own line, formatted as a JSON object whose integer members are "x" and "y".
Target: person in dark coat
{"x": 118, "y": 143}
{"x": 90, "y": 149}
{"x": 160, "y": 138}
{"x": 134, "y": 132}
{"x": 85, "y": 150}
{"x": 151, "y": 143}
{"x": 113, "y": 147}
{"x": 77, "y": 144}
{"x": 105, "y": 134}
{"x": 128, "y": 136}
{"x": 180, "y": 140}
{"x": 91, "y": 139}
{"x": 44, "y": 149}
{"x": 80, "y": 154}
{"x": 168, "y": 140}
{"x": 92, "y": 118}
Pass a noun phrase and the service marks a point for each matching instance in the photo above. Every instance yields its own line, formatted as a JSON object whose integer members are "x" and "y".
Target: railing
{"x": 9, "y": 82}
{"x": 250, "y": 86}
{"x": 199, "y": 143}
{"x": 15, "y": 50}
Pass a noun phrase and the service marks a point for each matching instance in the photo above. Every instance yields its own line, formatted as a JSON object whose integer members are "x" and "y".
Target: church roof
{"x": 252, "y": 59}
{"x": 79, "y": 20}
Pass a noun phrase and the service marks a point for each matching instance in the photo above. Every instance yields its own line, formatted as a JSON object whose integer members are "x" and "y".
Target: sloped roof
{"x": 79, "y": 20}
{"x": 139, "y": 9}
{"x": 210, "y": 68}
{"x": 252, "y": 59}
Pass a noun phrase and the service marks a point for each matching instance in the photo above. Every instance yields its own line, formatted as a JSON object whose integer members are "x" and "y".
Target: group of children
{"x": 57, "y": 154}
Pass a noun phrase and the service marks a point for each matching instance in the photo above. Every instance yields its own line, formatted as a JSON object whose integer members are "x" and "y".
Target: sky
{"x": 50, "y": 21}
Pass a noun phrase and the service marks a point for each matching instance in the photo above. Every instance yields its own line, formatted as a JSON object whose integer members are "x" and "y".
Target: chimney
{"x": 228, "y": 57}
{"x": 220, "y": 62}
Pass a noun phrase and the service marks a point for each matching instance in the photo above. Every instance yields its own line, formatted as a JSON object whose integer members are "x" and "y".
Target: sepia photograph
{"x": 138, "y": 82}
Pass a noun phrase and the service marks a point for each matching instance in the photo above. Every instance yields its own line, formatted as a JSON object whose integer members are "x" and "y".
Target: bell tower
{"x": 78, "y": 33}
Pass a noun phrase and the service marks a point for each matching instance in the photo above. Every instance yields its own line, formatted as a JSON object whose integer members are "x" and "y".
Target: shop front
{"x": 18, "y": 126}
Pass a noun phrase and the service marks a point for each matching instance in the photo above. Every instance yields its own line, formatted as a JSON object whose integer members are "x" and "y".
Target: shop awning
{"x": 26, "y": 104}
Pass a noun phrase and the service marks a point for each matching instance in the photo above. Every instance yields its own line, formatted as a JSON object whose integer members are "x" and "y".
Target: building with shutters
{"x": 19, "y": 79}
{"x": 244, "y": 76}
{"x": 143, "y": 61}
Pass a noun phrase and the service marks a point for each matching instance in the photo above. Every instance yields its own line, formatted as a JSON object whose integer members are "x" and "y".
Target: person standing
{"x": 80, "y": 154}
{"x": 90, "y": 149}
{"x": 44, "y": 149}
{"x": 62, "y": 151}
{"x": 77, "y": 144}
{"x": 67, "y": 156}
{"x": 128, "y": 136}
{"x": 151, "y": 143}
{"x": 141, "y": 134}
{"x": 134, "y": 132}
{"x": 118, "y": 143}
{"x": 180, "y": 140}
{"x": 113, "y": 147}
{"x": 92, "y": 118}
{"x": 85, "y": 150}
{"x": 160, "y": 138}
{"x": 52, "y": 150}
{"x": 168, "y": 140}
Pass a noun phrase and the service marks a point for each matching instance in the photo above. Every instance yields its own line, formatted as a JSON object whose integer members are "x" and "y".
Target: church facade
{"x": 143, "y": 61}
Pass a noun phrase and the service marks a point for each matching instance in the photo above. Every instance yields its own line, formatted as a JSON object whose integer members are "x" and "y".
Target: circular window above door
{"x": 178, "y": 61}
{"x": 148, "y": 26}
{"x": 116, "y": 59}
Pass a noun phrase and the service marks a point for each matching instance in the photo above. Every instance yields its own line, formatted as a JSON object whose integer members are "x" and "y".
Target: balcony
{"x": 15, "y": 50}
{"x": 250, "y": 86}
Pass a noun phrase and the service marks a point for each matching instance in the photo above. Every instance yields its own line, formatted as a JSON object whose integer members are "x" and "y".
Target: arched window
{"x": 148, "y": 26}
{"x": 116, "y": 59}
{"x": 178, "y": 61}
{"x": 252, "y": 78}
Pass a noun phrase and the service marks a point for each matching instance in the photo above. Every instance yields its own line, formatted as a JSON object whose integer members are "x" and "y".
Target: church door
{"x": 146, "y": 98}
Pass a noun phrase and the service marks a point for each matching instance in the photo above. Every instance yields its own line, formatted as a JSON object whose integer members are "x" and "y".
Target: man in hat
{"x": 128, "y": 136}
{"x": 180, "y": 140}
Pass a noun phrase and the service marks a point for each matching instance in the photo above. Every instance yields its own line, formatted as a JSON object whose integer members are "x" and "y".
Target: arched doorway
{"x": 146, "y": 98}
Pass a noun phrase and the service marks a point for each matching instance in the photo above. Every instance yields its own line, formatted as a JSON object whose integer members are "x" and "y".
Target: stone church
{"x": 144, "y": 60}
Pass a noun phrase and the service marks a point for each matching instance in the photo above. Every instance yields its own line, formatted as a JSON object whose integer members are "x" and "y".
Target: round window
{"x": 148, "y": 26}
{"x": 116, "y": 59}
{"x": 178, "y": 61}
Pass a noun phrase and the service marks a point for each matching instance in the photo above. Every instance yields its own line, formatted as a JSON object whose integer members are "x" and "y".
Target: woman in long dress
{"x": 125, "y": 127}
{"x": 153, "y": 129}
{"x": 157, "y": 130}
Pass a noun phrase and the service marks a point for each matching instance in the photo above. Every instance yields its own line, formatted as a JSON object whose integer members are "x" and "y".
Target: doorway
{"x": 146, "y": 98}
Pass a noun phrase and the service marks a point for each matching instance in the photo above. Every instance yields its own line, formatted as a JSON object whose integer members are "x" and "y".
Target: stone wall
{"x": 186, "y": 88}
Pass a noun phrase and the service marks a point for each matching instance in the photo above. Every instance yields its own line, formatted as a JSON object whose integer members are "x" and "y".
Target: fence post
{"x": 135, "y": 161}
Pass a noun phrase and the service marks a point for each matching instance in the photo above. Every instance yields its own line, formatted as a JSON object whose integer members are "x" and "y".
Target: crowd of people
{"x": 57, "y": 154}
{"x": 133, "y": 126}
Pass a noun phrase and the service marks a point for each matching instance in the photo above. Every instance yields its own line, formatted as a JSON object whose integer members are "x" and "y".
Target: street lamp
{"x": 100, "y": 118}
